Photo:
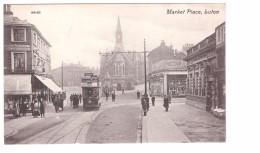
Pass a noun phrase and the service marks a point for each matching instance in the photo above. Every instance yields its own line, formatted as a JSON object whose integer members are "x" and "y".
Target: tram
{"x": 91, "y": 91}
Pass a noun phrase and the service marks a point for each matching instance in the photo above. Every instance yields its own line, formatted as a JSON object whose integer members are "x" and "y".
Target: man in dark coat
{"x": 42, "y": 108}
{"x": 166, "y": 103}
{"x": 107, "y": 94}
{"x": 153, "y": 100}
{"x": 144, "y": 104}
{"x": 138, "y": 94}
{"x": 113, "y": 96}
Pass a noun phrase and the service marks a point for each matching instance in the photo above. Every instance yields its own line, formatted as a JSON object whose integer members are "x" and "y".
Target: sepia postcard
{"x": 114, "y": 73}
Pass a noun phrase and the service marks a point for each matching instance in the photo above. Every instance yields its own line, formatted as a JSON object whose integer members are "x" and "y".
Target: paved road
{"x": 71, "y": 125}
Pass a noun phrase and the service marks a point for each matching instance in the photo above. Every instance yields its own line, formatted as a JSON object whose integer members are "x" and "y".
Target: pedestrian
{"x": 113, "y": 96}
{"x": 56, "y": 105}
{"x": 61, "y": 103}
{"x": 42, "y": 108}
{"x": 147, "y": 101}
{"x": 153, "y": 100}
{"x": 36, "y": 109}
{"x": 166, "y": 103}
{"x": 169, "y": 98}
{"x": 71, "y": 99}
{"x": 107, "y": 94}
{"x": 23, "y": 108}
{"x": 138, "y": 94}
{"x": 32, "y": 105}
{"x": 16, "y": 109}
{"x": 80, "y": 97}
{"x": 144, "y": 105}
{"x": 123, "y": 91}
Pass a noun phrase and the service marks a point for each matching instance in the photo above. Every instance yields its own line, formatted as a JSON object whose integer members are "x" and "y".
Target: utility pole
{"x": 145, "y": 84}
{"x": 62, "y": 75}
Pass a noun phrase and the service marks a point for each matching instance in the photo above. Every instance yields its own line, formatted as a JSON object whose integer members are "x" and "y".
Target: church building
{"x": 120, "y": 69}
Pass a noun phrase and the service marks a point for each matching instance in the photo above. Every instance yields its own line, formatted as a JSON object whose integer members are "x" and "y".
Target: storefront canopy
{"x": 49, "y": 83}
{"x": 17, "y": 85}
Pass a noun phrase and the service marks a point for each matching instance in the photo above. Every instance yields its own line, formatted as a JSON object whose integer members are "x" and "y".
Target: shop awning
{"x": 49, "y": 83}
{"x": 17, "y": 85}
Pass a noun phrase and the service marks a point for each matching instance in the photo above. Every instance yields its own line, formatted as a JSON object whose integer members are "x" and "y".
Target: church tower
{"x": 119, "y": 44}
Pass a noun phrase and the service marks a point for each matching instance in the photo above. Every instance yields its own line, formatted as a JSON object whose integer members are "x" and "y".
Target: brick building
{"x": 27, "y": 61}
{"x": 206, "y": 72}
{"x": 167, "y": 71}
{"x": 119, "y": 69}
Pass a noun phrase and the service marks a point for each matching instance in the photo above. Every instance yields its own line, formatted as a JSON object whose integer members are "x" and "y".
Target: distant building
{"x": 27, "y": 61}
{"x": 120, "y": 69}
{"x": 206, "y": 72}
{"x": 167, "y": 71}
{"x": 72, "y": 74}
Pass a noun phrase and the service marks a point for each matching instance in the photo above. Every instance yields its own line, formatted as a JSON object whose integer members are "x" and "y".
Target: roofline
{"x": 29, "y": 25}
{"x": 220, "y": 24}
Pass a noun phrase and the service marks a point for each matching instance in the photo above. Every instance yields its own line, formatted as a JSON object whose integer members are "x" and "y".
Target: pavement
{"x": 9, "y": 120}
{"x": 158, "y": 127}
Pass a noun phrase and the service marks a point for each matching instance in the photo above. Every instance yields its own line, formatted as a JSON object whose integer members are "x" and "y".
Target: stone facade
{"x": 206, "y": 73}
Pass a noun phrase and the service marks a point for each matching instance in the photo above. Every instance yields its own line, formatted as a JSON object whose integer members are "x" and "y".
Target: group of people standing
{"x": 57, "y": 100}
{"x": 20, "y": 107}
{"x": 75, "y": 99}
{"x": 38, "y": 107}
{"x": 145, "y": 102}
{"x": 113, "y": 95}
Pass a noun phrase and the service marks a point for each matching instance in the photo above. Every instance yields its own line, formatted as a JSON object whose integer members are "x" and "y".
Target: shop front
{"x": 24, "y": 88}
{"x": 176, "y": 85}
{"x": 17, "y": 89}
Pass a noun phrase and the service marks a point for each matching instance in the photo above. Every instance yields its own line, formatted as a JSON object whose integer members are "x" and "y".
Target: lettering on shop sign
{"x": 16, "y": 47}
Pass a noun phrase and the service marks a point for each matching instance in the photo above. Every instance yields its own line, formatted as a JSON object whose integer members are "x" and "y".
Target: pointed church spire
{"x": 119, "y": 43}
{"x": 118, "y": 29}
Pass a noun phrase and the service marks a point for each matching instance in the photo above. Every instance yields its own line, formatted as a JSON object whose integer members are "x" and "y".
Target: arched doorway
{"x": 129, "y": 86}
{"x": 118, "y": 87}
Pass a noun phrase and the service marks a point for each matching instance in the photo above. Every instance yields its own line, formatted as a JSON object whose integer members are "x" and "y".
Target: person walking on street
{"x": 113, "y": 96}
{"x": 147, "y": 101}
{"x": 56, "y": 105}
{"x": 166, "y": 103}
{"x": 80, "y": 96}
{"x": 61, "y": 103}
{"x": 138, "y": 94}
{"x": 144, "y": 105}
{"x": 36, "y": 109}
{"x": 32, "y": 105}
{"x": 153, "y": 100}
{"x": 71, "y": 99}
{"x": 42, "y": 108}
{"x": 123, "y": 91}
{"x": 169, "y": 98}
{"x": 107, "y": 94}
{"x": 16, "y": 109}
{"x": 23, "y": 109}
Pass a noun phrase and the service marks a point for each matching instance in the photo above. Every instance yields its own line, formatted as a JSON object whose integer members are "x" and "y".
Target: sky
{"x": 78, "y": 32}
